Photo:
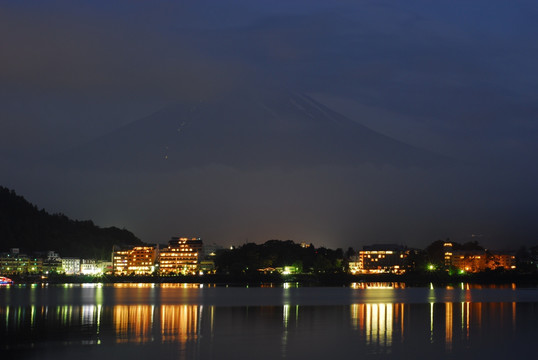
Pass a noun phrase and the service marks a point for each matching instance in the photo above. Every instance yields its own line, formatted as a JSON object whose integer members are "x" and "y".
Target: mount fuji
{"x": 245, "y": 131}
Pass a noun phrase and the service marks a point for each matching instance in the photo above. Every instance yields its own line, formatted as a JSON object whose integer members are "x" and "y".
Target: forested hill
{"x": 24, "y": 226}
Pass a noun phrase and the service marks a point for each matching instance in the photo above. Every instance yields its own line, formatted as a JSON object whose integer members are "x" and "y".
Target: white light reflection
{"x": 379, "y": 323}
{"x": 285, "y": 315}
{"x": 355, "y": 316}
{"x": 88, "y": 312}
{"x": 431, "y": 322}
{"x": 285, "y": 318}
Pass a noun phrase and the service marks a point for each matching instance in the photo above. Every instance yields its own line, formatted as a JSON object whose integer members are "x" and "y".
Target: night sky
{"x": 340, "y": 123}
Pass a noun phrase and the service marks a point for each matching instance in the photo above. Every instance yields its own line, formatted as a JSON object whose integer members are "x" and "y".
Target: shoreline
{"x": 304, "y": 280}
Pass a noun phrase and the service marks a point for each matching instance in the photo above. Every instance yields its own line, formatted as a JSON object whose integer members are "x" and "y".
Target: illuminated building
{"x": 48, "y": 261}
{"x": 377, "y": 259}
{"x": 120, "y": 262}
{"x": 138, "y": 260}
{"x": 354, "y": 267}
{"x": 448, "y": 254}
{"x": 71, "y": 266}
{"x": 181, "y": 256}
{"x": 142, "y": 260}
{"x": 206, "y": 267}
{"x": 105, "y": 267}
{"x": 469, "y": 260}
{"x": 89, "y": 267}
{"x": 474, "y": 261}
{"x": 501, "y": 260}
{"x": 14, "y": 262}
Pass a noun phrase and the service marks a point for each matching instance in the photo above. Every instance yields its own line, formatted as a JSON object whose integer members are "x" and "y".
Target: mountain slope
{"x": 244, "y": 130}
{"x": 23, "y": 226}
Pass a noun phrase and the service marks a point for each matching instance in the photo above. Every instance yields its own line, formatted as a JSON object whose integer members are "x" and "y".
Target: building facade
{"x": 379, "y": 259}
{"x": 181, "y": 256}
{"x": 138, "y": 260}
{"x": 71, "y": 266}
{"x": 474, "y": 261}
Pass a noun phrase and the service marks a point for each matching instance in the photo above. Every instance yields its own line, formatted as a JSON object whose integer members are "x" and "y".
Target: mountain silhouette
{"x": 245, "y": 130}
{"x": 24, "y": 226}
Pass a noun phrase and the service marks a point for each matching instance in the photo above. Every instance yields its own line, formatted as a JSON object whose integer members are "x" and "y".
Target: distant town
{"x": 80, "y": 250}
{"x": 189, "y": 256}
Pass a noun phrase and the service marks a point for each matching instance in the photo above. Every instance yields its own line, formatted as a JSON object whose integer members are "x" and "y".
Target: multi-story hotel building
{"x": 120, "y": 262}
{"x": 375, "y": 259}
{"x": 14, "y": 262}
{"x": 474, "y": 261}
{"x": 469, "y": 260}
{"x": 501, "y": 260}
{"x": 139, "y": 260}
{"x": 71, "y": 266}
{"x": 181, "y": 256}
{"x": 142, "y": 260}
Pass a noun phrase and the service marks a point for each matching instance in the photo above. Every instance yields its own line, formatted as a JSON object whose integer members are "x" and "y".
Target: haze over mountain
{"x": 242, "y": 130}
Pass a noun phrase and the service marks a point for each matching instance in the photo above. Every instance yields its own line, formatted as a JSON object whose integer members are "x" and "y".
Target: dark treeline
{"x": 250, "y": 257}
{"x": 24, "y": 226}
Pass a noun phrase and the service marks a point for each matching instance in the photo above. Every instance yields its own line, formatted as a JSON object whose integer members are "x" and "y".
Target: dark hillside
{"x": 24, "y": 226}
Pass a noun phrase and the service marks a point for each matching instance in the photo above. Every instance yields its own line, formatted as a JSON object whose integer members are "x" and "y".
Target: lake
{"x": 195, "y": 321}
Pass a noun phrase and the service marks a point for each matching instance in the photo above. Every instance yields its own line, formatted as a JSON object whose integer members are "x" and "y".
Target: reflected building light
{"x": 180, "y": 285}
{"x": 379, "y": 323}
{"x": 355, "y": 316}
{"x": 285, "y": 315}
{"x": 32, "y": 316}
{"x": 212, "y": 320}
{"x": 199, "y": 328}
{"x": 378, "y": 285}
{"x": 431, "y": 322}
{"x": 462, "y": 317}
{"x": 286, "y": 293}
{"x": 448, "y": 325}
{"x": 138, "y": 285}
{"x": 7, "y": 318}
{"x": 285, "y": 318}
{"x": 64, "y": 315}
{"x": 98, "y": 322}
{"x": 467, "y": 318}
{"x": 179, "y": 323}
{"x": 514, "y": 315}
{"x": 479, "y": 311}
{"x": 388, "y": 324}
{"x": 133, "y": 323}
{"x": 368, "y": 323}
{"x": 382, "y": 324}
{"x": 99, "y": 295}
{"x": 375, "y": 327}
{"x": 88, "y": 312}
{"x": 402, "y": 319}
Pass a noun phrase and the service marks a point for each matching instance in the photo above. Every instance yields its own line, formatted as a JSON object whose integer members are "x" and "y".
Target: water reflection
{"x": 378, "y": 285}
{"x": 180, "y": 323}
{"x": 380, "y": 327}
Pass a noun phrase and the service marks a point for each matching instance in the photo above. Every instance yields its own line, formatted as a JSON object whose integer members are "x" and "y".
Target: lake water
{"x": 190, "y": 321}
